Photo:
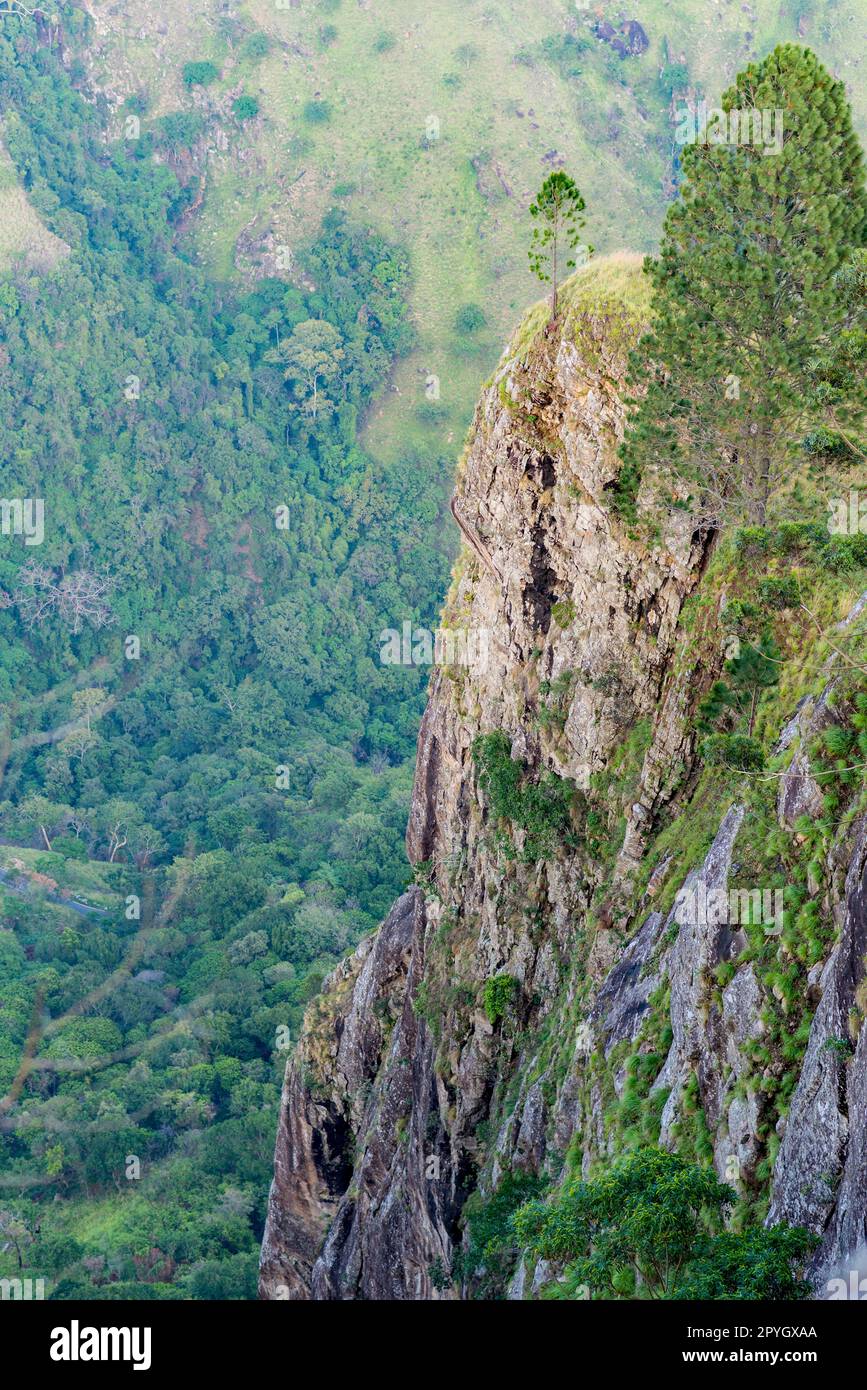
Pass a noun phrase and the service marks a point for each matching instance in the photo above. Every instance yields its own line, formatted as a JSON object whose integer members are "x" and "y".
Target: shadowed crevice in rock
{"x": 540, "y": 595}
{"x": 319, "y": 1120}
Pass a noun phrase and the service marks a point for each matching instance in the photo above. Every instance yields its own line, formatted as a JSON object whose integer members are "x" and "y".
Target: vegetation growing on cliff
{"x": 557, "y": 210}
{"x": 499, "y": 994}
{"x": 487, "y": 1260}
{"x": 540, "y": 807}
{"x": 652, "y": 1227}
{"x": 774, "y": 588}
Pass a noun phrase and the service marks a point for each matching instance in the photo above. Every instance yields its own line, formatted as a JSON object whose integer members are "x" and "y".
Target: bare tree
{"x": 14, "y": 1233}
{"x": 78, "y": 822}
{"x": 79, "y": 598}
{"x": 79, "y": 742}
{"x": 117, "y": 839}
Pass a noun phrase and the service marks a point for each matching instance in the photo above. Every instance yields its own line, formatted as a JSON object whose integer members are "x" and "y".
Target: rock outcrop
{"x": 820, "y": 1177}
{"x": 489, "y": 1027}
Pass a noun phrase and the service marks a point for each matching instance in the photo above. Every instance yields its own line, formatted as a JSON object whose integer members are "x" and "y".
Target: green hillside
{"x": 346, "y": 92}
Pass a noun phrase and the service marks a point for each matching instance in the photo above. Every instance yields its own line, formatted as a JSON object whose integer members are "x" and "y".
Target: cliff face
{"x": 492, "y": 1025}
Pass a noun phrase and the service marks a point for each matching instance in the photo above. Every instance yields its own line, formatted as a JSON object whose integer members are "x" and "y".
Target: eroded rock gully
{"x": 403, "y": 1097}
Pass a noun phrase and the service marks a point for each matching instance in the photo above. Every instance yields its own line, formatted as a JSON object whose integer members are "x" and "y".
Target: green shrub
{"x": 200, "y": 74}
{"x": 469, "y": 319}
{"x": 499, "y": 994}
{"x": 179, "y": 130}
{"x": 542, "y": 809}
{"x": 69, "y": 847}
{"x": 738, "y": 615}
{"x": 555, "y": 709}
{"x": 796, "y": 535}
{"x": 653, "y": 1220}
{"x": 732, "y": 750}
{"x": 838, "y": 741}
{"x": 624, "y": 492}
{"x": 563, "y": 612}
{"x": 753, "y": 541}
{"x": 438, "y": 1276}
{"x": 780, "y": 593}
{"x": 245, "y": 108}
{"x": 316, "y": 112}
{"x": 490, "y": 1249}
{"x": 255, "y": 47}
{"x": 843, "y": 554}
{"x": 825, "y": 442}
{"x": 758, "y": 1263}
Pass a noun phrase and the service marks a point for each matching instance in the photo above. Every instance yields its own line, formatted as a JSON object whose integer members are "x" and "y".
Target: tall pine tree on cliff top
{"x": 557, "y": 209}
{"x": 744, "y": 288}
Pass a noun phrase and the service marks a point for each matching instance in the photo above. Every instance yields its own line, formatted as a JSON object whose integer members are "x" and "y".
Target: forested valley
{"x": 205, "y": 767}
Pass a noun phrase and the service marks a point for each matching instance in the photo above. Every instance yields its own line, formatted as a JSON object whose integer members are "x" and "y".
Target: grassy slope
{"x": 610, "y": 126}
{"x": 21, "y": 231}
{"x": 89, "y": 881}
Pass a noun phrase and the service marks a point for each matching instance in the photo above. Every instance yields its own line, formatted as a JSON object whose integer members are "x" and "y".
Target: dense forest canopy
{"x": 205, "y": 766}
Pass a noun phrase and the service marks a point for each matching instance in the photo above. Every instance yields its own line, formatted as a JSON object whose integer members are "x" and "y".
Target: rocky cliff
{"x": 545, "y": 995}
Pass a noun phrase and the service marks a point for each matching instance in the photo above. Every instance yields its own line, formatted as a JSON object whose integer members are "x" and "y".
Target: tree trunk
{"x": 764, "y": 480}
{"x": 554, "y": 271}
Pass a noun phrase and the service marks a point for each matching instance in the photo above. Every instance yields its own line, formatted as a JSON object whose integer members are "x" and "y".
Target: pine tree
{"x": 744, "y": 288}
{"x": 755, "y": 668}
{"x": 558, "y": 208}
{"x": 839, "y": 396}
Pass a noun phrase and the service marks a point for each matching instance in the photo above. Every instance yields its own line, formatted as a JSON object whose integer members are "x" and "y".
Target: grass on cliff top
{"x": 614, "y": 282}
{"x": 618, "y": 277}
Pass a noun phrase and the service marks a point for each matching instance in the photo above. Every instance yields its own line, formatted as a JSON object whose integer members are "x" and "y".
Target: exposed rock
{"x": 820, "y": 1177}
{"x": 629, "y": 40}
{"x": 313, "y": 1158}
{"x": 261, "y": 255}
{"x": 701, "y": 944}
{"x": 800, "y": 794}
{"x": 532, "y": 493}
{"x": 623, "y": 999}
{"x": 405, "y": 1096}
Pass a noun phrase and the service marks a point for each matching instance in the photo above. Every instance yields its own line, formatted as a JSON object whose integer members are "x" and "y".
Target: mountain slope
{"x": 434, "y": 121}
{"x": 546, "y": 996}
